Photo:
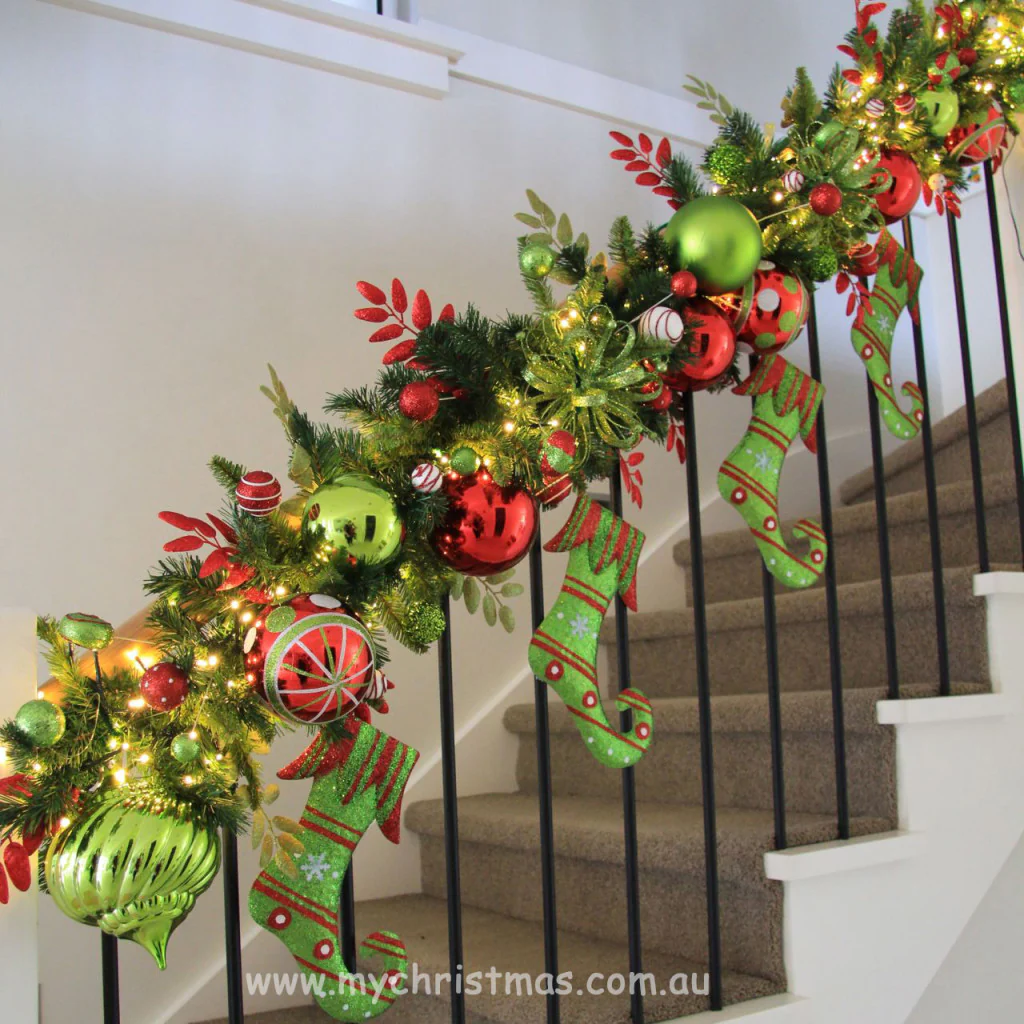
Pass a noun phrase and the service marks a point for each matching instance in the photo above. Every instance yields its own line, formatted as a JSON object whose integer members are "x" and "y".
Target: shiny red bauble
{"x": 311, "y": 659}
{"x": 488, "y": 528}
{"x": 684, "y": 284}
{"x": 258, "y": 493}
{"x": 905, "y": 185}
{"x": 712, "y": 349}
{"x": 419, "y": 401}
{"x": 164, "y": 686}
{"x": 976, "y": 143}
{"x": 826, "y": 199}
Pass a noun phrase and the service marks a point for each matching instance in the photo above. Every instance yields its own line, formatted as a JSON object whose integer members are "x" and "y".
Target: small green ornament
{"x": 537, "y": 260}
{"x": 823, "y": 264}
{"x": 41, "y": 722}
{"x": 184, "y": 749}
{"x": 725, "y": 163}
{"x": 941, "y": 109}
{"x": 355, "y": 516}
{"x": 719, "y": 240}
{"x": 465, "y": 461}
{"x": 85, "y": 630}
{"x": 1015, "y": 93}
{"x": 424, "y": 624}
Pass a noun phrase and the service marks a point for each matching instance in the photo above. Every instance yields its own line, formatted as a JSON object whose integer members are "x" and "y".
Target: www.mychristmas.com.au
{"x": 387, "y": 987}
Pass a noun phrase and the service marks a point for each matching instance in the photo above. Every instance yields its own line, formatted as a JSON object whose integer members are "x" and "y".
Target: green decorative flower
{"x": 725, "y": 163}
{"x": 823, "y": 264}
{"x": 584, "y": 376}
{"x": 424, "y": 624}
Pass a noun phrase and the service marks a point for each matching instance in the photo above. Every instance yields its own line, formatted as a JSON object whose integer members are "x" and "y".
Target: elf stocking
{"x": 563, "y": 651}
{"x": 787, "y": 402}
{"x": 357, "y": 781}
{"x": 896, "y": 287}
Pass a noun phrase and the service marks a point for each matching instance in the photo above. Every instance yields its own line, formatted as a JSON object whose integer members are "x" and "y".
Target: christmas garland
{"x": 276, "y": 608}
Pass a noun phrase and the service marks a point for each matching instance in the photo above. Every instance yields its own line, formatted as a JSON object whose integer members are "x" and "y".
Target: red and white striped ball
{"x": 874, "y": 108}
{"x": 258, "y": 493}
{"x": 555, "y": 490}
{"x": 662, "y": 324}
{"x": 793, "y": 180}
{"x": 905, "y": 103}
{"x": 427, "y": 478}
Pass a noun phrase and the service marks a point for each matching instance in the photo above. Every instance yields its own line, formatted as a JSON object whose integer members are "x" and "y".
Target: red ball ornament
{"x": 488, "y": 528}
{"x": 713, "y": 347}
{"x": 310, "y": 659}
{"x": 557, "y": 487}
{"x": 164, "y": 686}
{"x": 826, "y": 199}
{"x": 419, "y": 401}
{"x": 662, "y": 400}
{"x": 976, "y": 143}
{"x": 968, "y": 57}
{"x": 770, "y": 312}
{"x": 558, "y": 453}
{"x": 904, "y": 185}
{"x": 258, "y": 493}
{"x": 684, "y": 284}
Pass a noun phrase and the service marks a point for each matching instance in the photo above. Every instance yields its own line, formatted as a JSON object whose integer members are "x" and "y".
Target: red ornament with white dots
{"x": 164, "y": 686}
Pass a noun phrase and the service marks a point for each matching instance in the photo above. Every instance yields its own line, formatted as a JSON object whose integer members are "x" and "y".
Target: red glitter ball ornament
{"x": 488, "y": 528}
{"x": 419, "y": 401}
{"x": 258, "y": 493}
{"x": 684, "y": 284}
{"x": 826, "y": 199}
{"x": 164, "y": 686}
{"x": 904, "y": 185}
{"x": 662, "y": 400}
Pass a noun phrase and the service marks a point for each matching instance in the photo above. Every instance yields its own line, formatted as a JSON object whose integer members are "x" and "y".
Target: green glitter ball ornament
{"x": 184, "y": 749}
{"x": 823, "y": 265}
{"x": 726, "y": 163}
{"x": 465, "y": 461}
{"x": 424, "y": 624}
{"x": 41, "y": 722}
{"x": 1015, "y": 93}
{"x": 537, "y": 260}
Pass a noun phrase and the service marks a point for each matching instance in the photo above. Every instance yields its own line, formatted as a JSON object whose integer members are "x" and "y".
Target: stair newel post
{"x": 771, "y": 649}
{"x": 707, "y": 761}
{"x": 1004, "y": 324}
{"x": 544, "y": 793}
{"x": 831, "y": 592}
{"x": 931, "y": 489}
{"x": 232, "y": 927}
{"x": 636, "y": 995}
{"x": 451, "y": 815}
{"x": 111, "y": 982}
{"x": 973, "y": 441}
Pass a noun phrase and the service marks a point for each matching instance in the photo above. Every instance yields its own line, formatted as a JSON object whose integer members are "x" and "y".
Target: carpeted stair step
{"x": 500, "y": 860}
{"x": 670, "y": 771}
{"x": 904, "y": 468}
{"x": 662, "y": 644}
{"x": 733, "y": 565}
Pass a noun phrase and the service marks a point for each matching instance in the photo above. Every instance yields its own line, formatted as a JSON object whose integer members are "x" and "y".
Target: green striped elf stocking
{"x": 896, "y": 288}
{"x": 786, "y": 403}
{"x": 356, "y": 781}
{"x": 604, "y": 552}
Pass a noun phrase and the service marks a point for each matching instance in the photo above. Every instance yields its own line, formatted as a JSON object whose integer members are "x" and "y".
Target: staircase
{"x": 501, "y": 880}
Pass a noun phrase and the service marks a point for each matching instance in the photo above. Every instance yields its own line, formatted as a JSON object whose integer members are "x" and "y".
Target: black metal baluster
{"x": 636, "y": 996}
{"x": 973, "y": 440}
{"x": 1004, "y": 324}
{"x": 931, "y": 491}
{"x": 111, "y": 982}
{"x": 771, "y": 650}
{"x": 451, "y": 815}
{"x": 232, "y": 928}
{"x": 347, "y": 912}
{"x": 831, "y": 594}
{"x": 707, "y": 760}
{"x": 544, "y": 792}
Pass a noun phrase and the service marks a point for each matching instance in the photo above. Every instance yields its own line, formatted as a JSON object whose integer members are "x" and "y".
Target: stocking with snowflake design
{"x": 604, "y": 552}
{"x": 786, "y": 403}
{"x": 356, "y": 781}
{"x": 896, "y": 288}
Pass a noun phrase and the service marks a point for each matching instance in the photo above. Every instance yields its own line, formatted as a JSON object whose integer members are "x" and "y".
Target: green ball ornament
{"x": 355, "y": 516}
{"x": 1015, "y": 93}
{"x": 85, "y": 630}
{"x": 424, "y": 624}
{"x": 184, "y": 749}
{"x": 725, "y": 163}
{"x": 537, "y": 260}
{"x": 823, "y": 265}
{"x": 941, "y": 110}
{"x": 40, "y": 722}
{"x": 464, "y": 461}
{"x": 719, "y": 240}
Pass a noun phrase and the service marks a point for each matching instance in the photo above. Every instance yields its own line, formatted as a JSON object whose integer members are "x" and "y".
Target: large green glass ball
{"x": 41, "y": 722}
{"x": 941, "y": 109}
{"x": 355, "y": 516}
{"x": 719, "y": 240}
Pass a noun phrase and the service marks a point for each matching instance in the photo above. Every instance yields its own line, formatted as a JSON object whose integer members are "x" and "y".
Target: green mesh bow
{"x": 836, "y": 154}
{"x": 585, "y": 376}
